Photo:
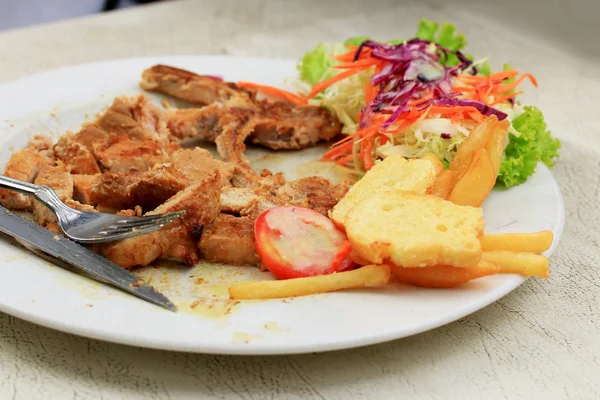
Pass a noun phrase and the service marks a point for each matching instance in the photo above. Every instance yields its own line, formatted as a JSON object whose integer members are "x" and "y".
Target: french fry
{"x": 477, "y": 139}
{"x": 443, "y": 276}
{"x": 477, "y": 183}
{"x": 495, "y": 146}
{"x": 370, "y": 275}
{"x": 537, "y": 242}
{"x": 437, "y": 164}
{"x": 528, "y": 264}
{"x": 443, "y": 184}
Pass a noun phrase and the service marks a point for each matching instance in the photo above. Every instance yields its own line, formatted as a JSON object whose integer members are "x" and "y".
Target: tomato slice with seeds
{"x": 295, "y": 242}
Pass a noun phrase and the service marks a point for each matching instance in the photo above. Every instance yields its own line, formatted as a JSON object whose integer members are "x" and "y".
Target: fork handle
{"x": 19, "y": 186}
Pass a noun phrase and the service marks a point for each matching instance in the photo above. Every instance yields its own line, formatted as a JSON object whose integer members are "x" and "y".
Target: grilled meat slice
{"x": 118, "y": 191}
{"x": 120, "y": 154}
{"x": 76, "y": 155}
{"x": 282, "y": 125}
{"x": 196, "y": 164}
{"x": 177, "y": 240}
{"x": 23, "y": 165}
{"x": 134, "y": 117}
{"x": 131, "y": 133}
{"x": 42, "y": 144}
{"x": 190, "y": 87}
{"x": 82, "y": 188}
{"x": 202, "y": 123}
{"x": 268, "y": 183}
{"x": 58, "y": 178}
{"x": 272, "y": 124}
{"x": 245, "y": 201}
{"x": 229, "y": 240}
{"x": 314, "y": 192}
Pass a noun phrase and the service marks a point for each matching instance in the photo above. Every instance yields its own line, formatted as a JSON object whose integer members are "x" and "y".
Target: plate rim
{"x": 259, "y": 348}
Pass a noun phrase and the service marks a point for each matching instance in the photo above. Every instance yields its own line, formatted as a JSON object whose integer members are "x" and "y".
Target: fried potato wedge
{"x": 496, "y": 144}
{"x": 478, "y": 139}
{"x": 370, "y": 275}
{"x": 443, "y": 276}
{"x": 437, "y": 163}
{"x": 536, "y": 242}
{"x": 443, "y": 184}
{"x": 477, "y": 183}
{"x": 528, "y": 264}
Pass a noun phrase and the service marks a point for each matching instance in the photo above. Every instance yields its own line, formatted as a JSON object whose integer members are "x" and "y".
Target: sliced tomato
{"x": 294, "y": 242}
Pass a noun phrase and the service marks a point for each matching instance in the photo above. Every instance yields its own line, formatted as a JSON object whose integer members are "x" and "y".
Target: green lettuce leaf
{"x": 484, "y": 69}
{"x": 445, "y": 36}
{"x": 534, "y": 144}
{"x": 315, "y": 63}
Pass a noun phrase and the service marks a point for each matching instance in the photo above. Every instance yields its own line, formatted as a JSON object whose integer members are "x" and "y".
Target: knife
{"x": 57, "y": 247}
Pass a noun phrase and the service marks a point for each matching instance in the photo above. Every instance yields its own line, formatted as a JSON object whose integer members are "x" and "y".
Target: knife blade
{"x": 83, "y": 260}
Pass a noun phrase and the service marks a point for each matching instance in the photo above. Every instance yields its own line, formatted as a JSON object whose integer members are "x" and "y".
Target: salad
{"x": 418, "y": 96}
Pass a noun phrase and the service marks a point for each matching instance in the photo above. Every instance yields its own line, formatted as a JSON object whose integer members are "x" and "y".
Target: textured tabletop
{"x": 540, "y": 342}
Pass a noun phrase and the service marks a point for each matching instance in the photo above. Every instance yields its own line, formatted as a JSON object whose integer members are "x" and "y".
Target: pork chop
{"x": 131, "y": 134}
{"x": 314, "y": 192}
{"x": 118, "y": 191}
{"x": 229, "y": 240}
{"x": 177, "y": 240}
{"x": 23, "y": 165}
{"x": 188, "y": 86}
{"x": 121, "y": 154}
{"x": 82, "y": 188}
{"x": 237, "y": 114}
{"x": 196, "y": 164}
{"x": 76, "y": 155}
{"x": 136, "y": 118}
{"x": 59, "y": 178}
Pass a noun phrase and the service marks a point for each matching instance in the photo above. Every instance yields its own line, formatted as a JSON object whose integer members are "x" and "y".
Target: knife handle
{"x": 19, "y": 186}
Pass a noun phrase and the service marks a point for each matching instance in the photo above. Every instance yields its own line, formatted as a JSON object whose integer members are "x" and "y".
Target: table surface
{"x": 540, "y": 342}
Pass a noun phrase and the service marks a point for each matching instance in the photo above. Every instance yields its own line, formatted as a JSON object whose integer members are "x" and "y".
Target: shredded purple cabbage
{"x": 403, "y": 78}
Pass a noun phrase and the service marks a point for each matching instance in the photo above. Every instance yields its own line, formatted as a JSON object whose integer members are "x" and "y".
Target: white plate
{"x": 36, "y": 291}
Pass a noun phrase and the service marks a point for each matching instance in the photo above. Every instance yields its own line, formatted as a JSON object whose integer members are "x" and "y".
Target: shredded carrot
{"x": 319, "y": 87}
{"x": 349, "y": 56}
{"x": 367, "y": 153}
{"x": 358, "y": 64}
{"x": 344, "y": 160}
{"x": 504, "y": 74}
{"x": 475, "y": 116}
{"x": 273, "y": 91}
{"x": 383, "y": 139}
{"x": 511, "y": 86}
{"x": 338, "y": 151}
{"x": 444, "y": 110}
{"x": 365, "y": 132}
{"x": 502, "y": 99}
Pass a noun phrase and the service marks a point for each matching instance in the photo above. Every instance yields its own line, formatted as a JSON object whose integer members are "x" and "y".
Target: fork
{"x": 89, "y": 227}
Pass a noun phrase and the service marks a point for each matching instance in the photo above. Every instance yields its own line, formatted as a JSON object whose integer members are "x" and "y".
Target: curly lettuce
{"x": 523, "y": 152}
{"x": 315, "y": 64}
